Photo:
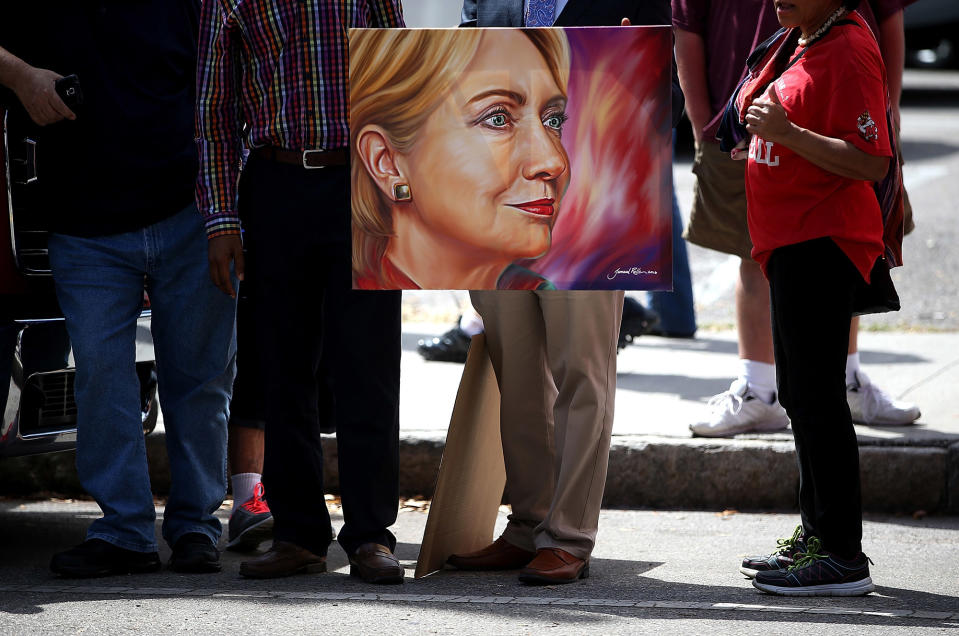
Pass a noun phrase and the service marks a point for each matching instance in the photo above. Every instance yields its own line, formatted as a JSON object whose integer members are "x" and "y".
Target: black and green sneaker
{"x": 818, "y": 573}
{"x": 782, "y": 558}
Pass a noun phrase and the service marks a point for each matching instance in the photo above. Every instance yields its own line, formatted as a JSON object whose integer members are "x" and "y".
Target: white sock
{"x": 243, "y": 484}
{"x": 471, "y": 323}
{"x": 761, "y": 377}
{"x": 852, "y": 365}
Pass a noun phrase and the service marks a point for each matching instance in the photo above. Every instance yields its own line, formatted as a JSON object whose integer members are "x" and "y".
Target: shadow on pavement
{"x": 916, "y": 150}
{"x": 686, "y": 387}
{"x": 707, "y": 345}
{"x": 27, "y": 540}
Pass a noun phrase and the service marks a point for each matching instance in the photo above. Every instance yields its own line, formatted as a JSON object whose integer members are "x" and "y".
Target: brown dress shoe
{"x": 500, "y": 555}
{"x": 283, "y": 559}
{"x": 553, "y": 565}
{"x": 375, "y": 563}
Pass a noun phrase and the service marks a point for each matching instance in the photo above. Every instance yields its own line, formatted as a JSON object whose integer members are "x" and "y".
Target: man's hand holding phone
{"x": 36, "y": 90}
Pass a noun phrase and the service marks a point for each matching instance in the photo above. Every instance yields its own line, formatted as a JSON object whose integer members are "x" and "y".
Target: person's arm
{"x": 219, "y": 145}
{"x": 767, "y": 118}
{"x": 34, "y": 87}
{"x": 892, "y": 47}
{"x": 387, "y": 14}
{"x": 691, "y": 62}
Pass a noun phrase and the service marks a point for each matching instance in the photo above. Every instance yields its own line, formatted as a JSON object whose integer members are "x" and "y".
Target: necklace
{"x": 831, "y": 20}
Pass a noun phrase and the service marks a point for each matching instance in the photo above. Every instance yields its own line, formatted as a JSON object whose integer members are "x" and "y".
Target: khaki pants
{"x": 718, "y": 218}
{"x": 554, "y": 355}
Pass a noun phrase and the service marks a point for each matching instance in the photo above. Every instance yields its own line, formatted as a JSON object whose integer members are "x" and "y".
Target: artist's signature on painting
{"x": 631, "y": 271}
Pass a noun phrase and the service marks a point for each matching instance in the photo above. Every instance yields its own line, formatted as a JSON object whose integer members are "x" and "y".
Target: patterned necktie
{"x": 539, "y": 13}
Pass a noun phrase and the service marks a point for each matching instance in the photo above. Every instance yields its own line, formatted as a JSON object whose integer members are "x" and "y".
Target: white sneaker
{"x": 869, "y": 404}
{"x": 739, "y": 410}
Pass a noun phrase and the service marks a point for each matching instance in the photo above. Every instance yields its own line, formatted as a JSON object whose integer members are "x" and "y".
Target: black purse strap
{"x": 781, "y": 64}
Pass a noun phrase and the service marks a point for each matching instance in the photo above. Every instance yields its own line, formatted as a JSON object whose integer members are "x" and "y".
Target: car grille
{"x": 47, "y": 404}
{"x": 31, "y": 250}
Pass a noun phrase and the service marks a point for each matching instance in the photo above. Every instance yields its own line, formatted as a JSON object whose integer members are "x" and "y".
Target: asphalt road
{"x": 669, "y": 572}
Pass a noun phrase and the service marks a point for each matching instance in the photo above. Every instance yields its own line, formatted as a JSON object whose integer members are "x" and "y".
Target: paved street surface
{"x": 667, "y": 572}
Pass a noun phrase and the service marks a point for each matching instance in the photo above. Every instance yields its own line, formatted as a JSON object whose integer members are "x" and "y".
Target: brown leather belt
{"x": 307, "y": 158}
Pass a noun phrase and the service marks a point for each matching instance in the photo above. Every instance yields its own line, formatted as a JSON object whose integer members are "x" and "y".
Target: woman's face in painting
{"x": 488, "y": 169}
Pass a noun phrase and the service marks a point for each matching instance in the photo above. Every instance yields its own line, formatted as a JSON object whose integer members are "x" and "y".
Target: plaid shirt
{"x": 272, "y": 73}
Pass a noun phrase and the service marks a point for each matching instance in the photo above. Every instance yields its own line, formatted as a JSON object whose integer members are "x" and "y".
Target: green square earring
{"x": 401, "y": 192}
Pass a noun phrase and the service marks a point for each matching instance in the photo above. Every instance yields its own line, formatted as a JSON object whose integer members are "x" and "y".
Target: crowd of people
{"x": 211, "y": 163}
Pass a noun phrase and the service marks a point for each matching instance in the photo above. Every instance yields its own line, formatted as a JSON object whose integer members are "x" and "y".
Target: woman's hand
{"x": 766, "y": 117}
{"x": 740, "y": 152}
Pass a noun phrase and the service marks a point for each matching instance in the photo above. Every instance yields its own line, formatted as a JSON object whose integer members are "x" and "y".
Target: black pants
{"x": 248, "y": 408}
{"x": 297, "y": 233}
{"x": 811, "y": 287}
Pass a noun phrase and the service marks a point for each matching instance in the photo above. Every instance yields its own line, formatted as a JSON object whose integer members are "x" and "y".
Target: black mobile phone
{"x": 68, "y": 88}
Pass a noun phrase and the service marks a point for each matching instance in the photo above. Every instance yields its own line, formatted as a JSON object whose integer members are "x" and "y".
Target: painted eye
{"x": 498, "y": 120}
{"x": 555, "y": 121}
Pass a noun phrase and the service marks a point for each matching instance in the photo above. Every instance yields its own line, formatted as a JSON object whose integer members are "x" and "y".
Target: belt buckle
{"x": 307, "y": 153}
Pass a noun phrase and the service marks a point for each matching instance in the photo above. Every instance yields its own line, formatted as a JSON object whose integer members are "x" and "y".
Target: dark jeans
{"x": 297, "y": 232}
{"x": 677, "y": 314}
{"x": 811, "y": 287}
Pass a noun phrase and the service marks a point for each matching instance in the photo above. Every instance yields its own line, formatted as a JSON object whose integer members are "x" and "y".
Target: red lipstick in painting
{"x": 541, "y": 207}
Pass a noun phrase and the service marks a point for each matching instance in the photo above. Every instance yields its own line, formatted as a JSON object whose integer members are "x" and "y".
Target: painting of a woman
{"x": 458, "y": 164}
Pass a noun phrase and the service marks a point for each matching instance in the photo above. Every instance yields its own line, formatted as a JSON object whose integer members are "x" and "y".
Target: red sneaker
{"x": 251, "y": 523}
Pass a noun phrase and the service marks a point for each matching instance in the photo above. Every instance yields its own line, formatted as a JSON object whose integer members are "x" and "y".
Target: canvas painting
{"x": 511, "y": 158}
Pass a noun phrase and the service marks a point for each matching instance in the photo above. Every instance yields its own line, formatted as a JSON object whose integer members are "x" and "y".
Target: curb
{"x": 644, "y": 472}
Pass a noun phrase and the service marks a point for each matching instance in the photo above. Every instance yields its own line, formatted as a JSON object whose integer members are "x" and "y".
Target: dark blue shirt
{"x": 129, "y": 159}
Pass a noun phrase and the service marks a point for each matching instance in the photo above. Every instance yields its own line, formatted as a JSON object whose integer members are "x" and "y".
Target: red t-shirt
{"x": 836, "y": 89}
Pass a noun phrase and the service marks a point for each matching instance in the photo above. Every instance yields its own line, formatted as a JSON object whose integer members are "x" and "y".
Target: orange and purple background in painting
{"x": 617, "y": 213}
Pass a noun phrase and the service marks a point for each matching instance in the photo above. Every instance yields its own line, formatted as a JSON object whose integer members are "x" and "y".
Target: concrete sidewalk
{"x": 663, "y": 385}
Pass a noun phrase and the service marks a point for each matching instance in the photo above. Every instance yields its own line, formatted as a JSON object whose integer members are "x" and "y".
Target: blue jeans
{"x": 676, "y": 313}
{"x": 100, "y": 283}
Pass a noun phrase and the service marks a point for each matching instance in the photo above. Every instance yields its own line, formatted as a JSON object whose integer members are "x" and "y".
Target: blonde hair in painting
{"x": 397, "y": 79}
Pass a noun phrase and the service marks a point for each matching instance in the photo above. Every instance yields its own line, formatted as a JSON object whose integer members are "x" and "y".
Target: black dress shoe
{"x": 195, "y": 553}
{"x": 96, "y": 557}
{"x": 452, "y": 346}
{"x": 375, "y": 563}
{"x": 637, "y": 321}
